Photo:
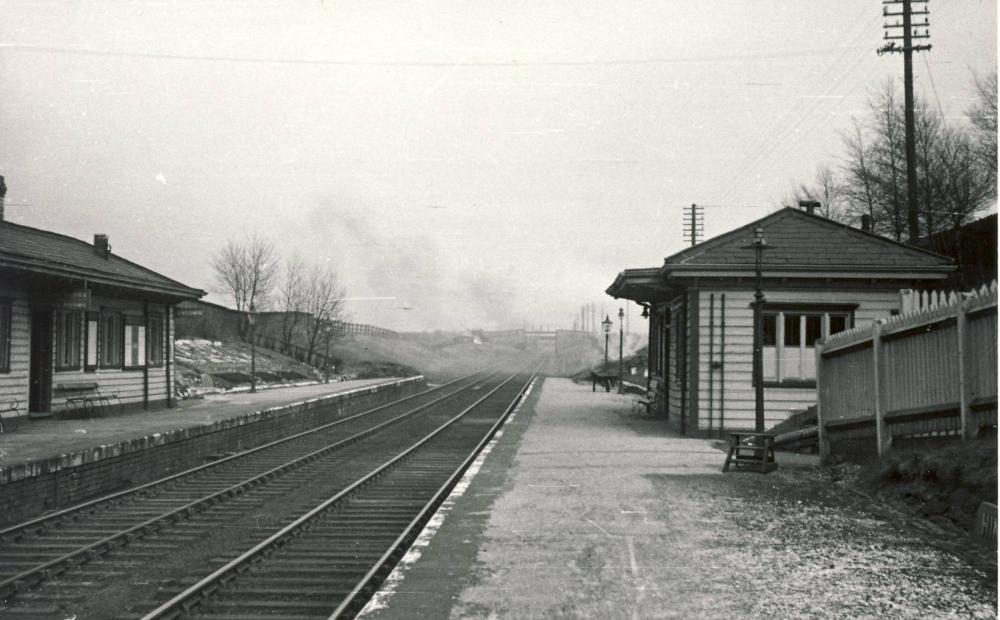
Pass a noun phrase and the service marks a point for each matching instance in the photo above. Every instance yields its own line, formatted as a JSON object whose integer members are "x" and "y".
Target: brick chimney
{"x": 809, "y": 206}
{"x": 101, "y": 246}
{"x": 866, "y": 223}
{"x": 3, "y": 195}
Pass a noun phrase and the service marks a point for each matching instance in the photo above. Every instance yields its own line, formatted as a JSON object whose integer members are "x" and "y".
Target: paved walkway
{"x": 583, "y": 510}
{"x": 39, "y": 439}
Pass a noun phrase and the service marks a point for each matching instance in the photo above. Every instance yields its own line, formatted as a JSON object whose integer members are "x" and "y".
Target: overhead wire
{"x": 802, "y": 109}
{"x": 786, "y": 150}
{"x": 18, "y": 47}
{"x": 768, "y": 135}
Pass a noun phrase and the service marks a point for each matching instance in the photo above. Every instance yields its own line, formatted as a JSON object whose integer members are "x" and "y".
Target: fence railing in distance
{"x": 928, "y": 372}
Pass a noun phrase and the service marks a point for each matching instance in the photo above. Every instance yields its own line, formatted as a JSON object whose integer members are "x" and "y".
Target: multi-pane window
{"x": 790, "y": 337}
{"x": 5, "y": 335}
{"x": 111, "y": 340}
{"x": 154, "y": 340}
{"x": 135, "y": 344}
{"x": 92, "y": 332}
{"x": 68, "y": 339}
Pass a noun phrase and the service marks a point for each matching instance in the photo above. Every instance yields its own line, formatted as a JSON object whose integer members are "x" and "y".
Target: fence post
{"x": 963, "y": 367}
{"x": 882, "y": 438}
{"x": 824, "y": 444}
{"x": 906, "y": 301}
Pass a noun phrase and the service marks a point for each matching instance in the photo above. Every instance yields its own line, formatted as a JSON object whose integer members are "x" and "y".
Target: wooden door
{"x": 40, "y": 365}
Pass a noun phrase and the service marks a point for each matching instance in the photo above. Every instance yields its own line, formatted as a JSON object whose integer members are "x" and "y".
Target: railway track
{"x": 328, "y": 562}
{"x": 53, "y": 566}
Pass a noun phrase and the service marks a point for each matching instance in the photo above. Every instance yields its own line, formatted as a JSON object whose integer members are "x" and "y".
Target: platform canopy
{"x": 641, "y": 285}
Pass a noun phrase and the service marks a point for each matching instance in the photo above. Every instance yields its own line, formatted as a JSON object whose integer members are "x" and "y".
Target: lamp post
{"x": 758, "y": 246}
{"x": 621, "y": 341}
{"x": 251, "y": 316}
{"x": 606, "y": 324}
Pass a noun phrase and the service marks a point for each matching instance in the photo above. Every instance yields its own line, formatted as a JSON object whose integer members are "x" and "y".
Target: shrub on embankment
{"x": 945, "y": 483}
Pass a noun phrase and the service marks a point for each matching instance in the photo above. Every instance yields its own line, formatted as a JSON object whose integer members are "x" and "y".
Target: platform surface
{"x": 585, "y": 510}
{"x": 50, "y": 437}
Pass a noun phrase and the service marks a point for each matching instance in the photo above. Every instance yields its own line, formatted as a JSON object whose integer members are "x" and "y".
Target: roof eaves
{"x": 675, "y": 268}
{"x": 98, "y": 277}
{"x": 83, "y": 244}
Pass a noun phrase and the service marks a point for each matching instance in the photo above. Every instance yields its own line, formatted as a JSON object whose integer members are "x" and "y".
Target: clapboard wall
{"x": 14, "y": 384}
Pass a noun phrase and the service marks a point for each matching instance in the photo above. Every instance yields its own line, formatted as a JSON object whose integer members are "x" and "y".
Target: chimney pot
{"x": 866, "y": 223}
{"x": 101, "y": 246}
{"x": 809, "y": 206}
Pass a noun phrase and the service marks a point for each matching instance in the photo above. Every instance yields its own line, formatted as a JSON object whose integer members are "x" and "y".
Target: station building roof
{"x": 804, "y": 244}
{"x": 799, "y": 245}
{"x": 28, "y": 253}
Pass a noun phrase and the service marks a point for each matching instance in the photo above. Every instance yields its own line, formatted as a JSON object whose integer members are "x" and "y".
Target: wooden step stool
{"x": 751, "y": 450}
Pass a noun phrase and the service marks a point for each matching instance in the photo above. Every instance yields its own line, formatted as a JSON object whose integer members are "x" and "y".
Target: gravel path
{"x": 604, "y": 515}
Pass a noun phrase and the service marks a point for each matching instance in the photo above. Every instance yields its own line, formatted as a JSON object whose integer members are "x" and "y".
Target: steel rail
{"x": 372, "y": 579}
{"x": 56, "y": 566}
{"x": 20, "y": 528}
{"x": 196, "y": 593}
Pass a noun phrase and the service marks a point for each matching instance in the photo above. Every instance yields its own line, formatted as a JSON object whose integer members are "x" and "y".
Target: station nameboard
{"x": 187, "y": 313}
{"x": 70, "y": 300}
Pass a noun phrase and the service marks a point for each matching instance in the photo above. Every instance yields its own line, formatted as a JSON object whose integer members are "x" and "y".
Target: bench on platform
{"x": 85, "y": 397}
{"x": 8, "y": 416}
{"x": 607, "y": 380}
{"x": 649, "y": 404}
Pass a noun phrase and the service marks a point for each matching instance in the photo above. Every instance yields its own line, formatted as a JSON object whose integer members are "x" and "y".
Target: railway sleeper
{"x": 270, "y": 607}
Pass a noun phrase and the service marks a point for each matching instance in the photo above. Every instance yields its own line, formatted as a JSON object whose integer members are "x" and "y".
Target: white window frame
{"x": 777, "y": 351}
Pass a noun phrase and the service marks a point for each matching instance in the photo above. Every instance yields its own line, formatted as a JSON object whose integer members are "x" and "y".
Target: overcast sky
{"x": 488, "y": 164}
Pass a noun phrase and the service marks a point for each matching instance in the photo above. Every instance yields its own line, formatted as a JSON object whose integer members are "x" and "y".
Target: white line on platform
{"x": 381, "y": 598}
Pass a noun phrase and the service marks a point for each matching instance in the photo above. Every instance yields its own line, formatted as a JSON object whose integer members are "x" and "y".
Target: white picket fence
{"x": 929, "y": 371}
{"x": 911, "y": 300}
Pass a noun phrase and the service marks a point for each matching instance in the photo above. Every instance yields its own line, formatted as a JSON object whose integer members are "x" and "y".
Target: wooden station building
{"x": 819, "y": 277}
{"x": 78, "y": 324}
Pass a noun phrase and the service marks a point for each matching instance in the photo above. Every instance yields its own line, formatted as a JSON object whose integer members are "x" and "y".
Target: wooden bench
{"x": 607, "y": 380}
{"x": 649, "y": 402}
{"x": 750, "y": 450}
{"x": 8, "y": 417}
{"x": 84, "y": 397}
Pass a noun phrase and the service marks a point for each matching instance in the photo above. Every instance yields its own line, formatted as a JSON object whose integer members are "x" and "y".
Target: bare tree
{"x": 827, "y": 189}
{"x": 889, "y": 158}
{"x": 324, "y": 305}
{"x": 968, "y": 186}
{"x": 984, "y": 118}
{"x": 952, "y": 180}
{"x": 247, "y": 270}
{"x": 859, "y": 181}
{"x": 292, "y": 297}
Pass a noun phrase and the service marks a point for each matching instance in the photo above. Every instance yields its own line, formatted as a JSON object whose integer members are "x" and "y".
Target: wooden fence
{"x": 932, "y": 371}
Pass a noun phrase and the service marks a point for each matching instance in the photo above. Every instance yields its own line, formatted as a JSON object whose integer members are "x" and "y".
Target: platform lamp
{"x": 606, "y": 324}
{"x": 621, "y": 341}
{"x": 252, "y": 318}
{"x": 758, "y": 246}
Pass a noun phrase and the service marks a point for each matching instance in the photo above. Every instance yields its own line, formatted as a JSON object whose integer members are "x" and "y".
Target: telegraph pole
{"x": 910, "y": 33}
{"x": 694, "y": 223}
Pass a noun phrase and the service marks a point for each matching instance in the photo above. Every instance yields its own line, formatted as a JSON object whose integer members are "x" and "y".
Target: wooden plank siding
{"x": 128, "y": 382}
{"x": 673, "y": 366}
{"x": 14, "y": 384}
{"x": 737, "y": 410}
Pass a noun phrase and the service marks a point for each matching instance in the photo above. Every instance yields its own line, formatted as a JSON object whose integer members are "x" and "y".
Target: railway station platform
{"x": 582, "y": 509}
{"x": 36, "y": 440}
